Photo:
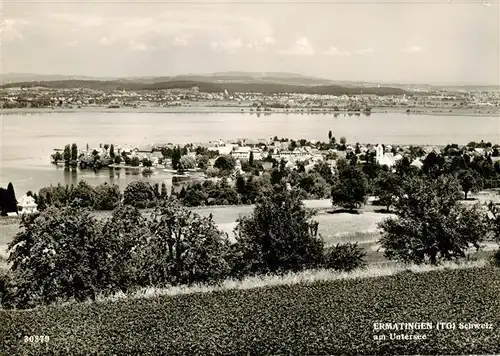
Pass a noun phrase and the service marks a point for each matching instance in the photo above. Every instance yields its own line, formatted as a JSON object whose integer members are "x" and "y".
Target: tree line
{"x": 67, "y": 253}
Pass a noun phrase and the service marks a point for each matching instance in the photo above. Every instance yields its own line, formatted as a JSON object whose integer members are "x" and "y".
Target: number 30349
{"x": 36, "y": 338}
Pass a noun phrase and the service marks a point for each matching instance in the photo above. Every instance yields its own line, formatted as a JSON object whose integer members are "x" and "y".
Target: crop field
{"x": 322, "y": 317}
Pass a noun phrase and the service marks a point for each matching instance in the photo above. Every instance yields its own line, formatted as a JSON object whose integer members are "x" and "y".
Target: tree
{"x": 146, "y": 162}
{"x": 107, "y": 197}
{"x": 278, "y": 236}
{"x": 74, "y": 154}
{"x": 67, "y": 155}
{"x": 250, "y": 159}
{"x": 84, "y": 195}
{"x": 163, "y": 194}
{"x": 186, "y": 162}
{"x": 431, "y": 224}
{"x": 350, "y": 188}
{"x": 330, "y": 135}
{"x": 124, "y": 235}
{"x": 387, "y": 189}
{"x": 8, "y": 201}
{"x": 343, "y": 141}
{"x": 135, "y": 161}
{"x": 202, "y": 161}
{"x": 433, "y": 165}
{"x": 55, "y": 256}
{"x": 156, "y": 190}
{"x": 225, "y": 164}
{"x": 240, "y": 184}
{"x": 185, "y": 247}
{"x": 470, "y": 181}
{"x": 117, "y": 159}
{"x": 212, "y": 172}
{"x": 176, "y": 157}
{"x": 112, "y": 151}
{"x": 139, "y": 194}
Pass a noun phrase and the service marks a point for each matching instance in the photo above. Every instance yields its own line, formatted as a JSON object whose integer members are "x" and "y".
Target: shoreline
{"x": 492, "y": 112}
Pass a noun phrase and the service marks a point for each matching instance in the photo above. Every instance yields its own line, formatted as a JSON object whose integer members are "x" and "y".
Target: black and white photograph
{"x": 231, "y": 177}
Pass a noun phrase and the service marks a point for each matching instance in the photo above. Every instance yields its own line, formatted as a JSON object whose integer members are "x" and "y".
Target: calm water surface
{"x": 29, "y": 139}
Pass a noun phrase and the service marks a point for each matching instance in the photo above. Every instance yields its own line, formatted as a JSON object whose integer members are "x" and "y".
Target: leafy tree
{"x": 8, "y": 201}
{"x": 67, "y": 155}
{"x": 176, "y": 157}
{"x": 55, "y": 256}
{"x": 135, "y": 161}
{"x": 195, "y": 195}
{"x": 330, "y": 135}
{"x": 431, "y": 224}
{"x": 433, "y": 165}
{"x": 343, "y": 141}
{"x": 387, "y": 189}
{"x": 251, "y": 159}
{"x": 112, "y": 151}
{"x": 470, "y": 181}
{"x": 74, "y": 154}
{"x": 186, "y": 162}
{"x": 225, "y": 164}
{"x": 163, "y": 193}
{"x": 124, "y": 234}
{"x": 146, "y": 162}
{"x": 240, "y": 184}
{"x": 278, "y": 236}
{"x": 212, "y": 172}
{"x": 57, "y": 157}
{"x": 139, "y": 194}
{"x": 185, "y": 247}
{"x": 107, "y": 196}
{"x": 117, "y": 159}
{"x": 202, "y": 161}
{"x": 84, "y": 194}
{"x": 350, "y": 188}
{"x": 344, "y": 257}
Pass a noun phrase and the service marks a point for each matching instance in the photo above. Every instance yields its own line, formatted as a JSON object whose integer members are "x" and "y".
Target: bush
{"x": 345, "y": 257}
{"x": 278, "y": 236}
{"x": 139, "y": 194}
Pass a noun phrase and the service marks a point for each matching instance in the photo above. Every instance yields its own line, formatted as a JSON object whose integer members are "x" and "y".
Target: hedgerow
{"x": 334, "y": 317}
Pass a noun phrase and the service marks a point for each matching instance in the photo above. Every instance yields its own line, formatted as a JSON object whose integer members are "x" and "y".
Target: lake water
{"x": 29, "y": 139}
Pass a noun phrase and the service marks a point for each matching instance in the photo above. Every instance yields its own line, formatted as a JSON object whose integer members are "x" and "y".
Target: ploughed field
{"x": 318, "y": 318}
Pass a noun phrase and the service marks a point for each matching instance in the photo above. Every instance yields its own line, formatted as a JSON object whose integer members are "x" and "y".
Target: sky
{"x": 399, "y": 41}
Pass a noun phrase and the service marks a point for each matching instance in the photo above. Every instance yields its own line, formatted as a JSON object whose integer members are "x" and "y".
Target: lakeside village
{"x": 203, "y": 157}
{"x": 222, "y": 164}
{"x": 39, "y": 97}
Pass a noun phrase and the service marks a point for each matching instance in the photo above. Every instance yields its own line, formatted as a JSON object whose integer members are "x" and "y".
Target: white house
{"x": 27, "y": 205}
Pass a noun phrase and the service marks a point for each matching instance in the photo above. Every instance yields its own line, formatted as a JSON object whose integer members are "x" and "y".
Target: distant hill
{"x": 209, "y": 87}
